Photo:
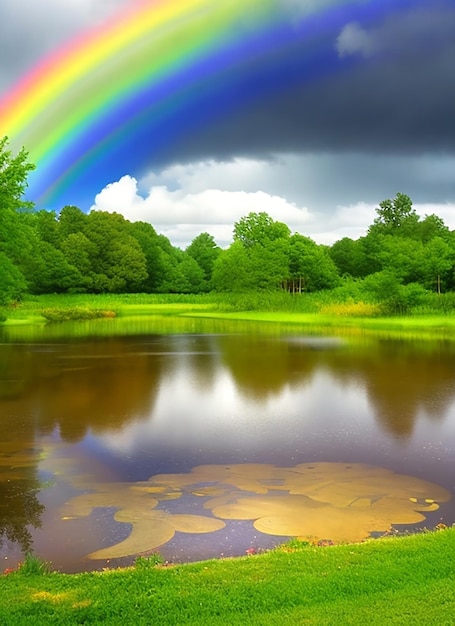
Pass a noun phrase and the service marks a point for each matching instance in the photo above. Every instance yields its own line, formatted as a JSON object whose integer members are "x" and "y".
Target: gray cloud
{"x": 354, "y": 39}
{"x": 324, "y": 180}
{"x": 30, "y": 29}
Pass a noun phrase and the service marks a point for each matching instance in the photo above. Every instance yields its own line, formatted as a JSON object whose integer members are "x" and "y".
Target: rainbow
{"x": 119, "y": 95}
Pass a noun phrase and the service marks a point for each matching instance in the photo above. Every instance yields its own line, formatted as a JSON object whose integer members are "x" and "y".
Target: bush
{"x": 148, "y": 562}
{"x": 393, "y": 297}
{"x": 33, "y": 566}
{"x": 74, "y": 313}
{"x": 444, "y": 302}
{"x": 351, "y": 309}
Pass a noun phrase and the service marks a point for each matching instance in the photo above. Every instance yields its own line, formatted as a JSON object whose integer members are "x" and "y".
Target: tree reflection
{"x": 263, "y": 366}
{"x": 20, "y": 508}
{"x": 103, "y": 384}
{"x": 77, "y": 386}
{"x": 403, "y": 379}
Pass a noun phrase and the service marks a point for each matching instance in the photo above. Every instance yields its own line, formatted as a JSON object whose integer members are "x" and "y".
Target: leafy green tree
{"x": 204, "y": 251}
{"x": 258, "y": 258}
{"x": 259, "y": 228}
{"x": 12, "y": 281}
{"x": 189, "y": 277}
{"x": 150, "y": 244}
{"x": 396, "y": 217}
{"x": 170, "y": 278}
{"x": 433, "y": 226}
{"x": 49, "y": 270}
{"x": 254, "y": 268}
{"x": 47, "y": 227}
{"x": 230, "y": 270}
{"x": 438, "y": 264}
{"x": 118, "y": 260}
{"x": 72, "y": 220}
{"x": 268, "y": 265}
{"x": 14, "y": 172}
{"x": 14, "y": 231}
{"x": 401, "y": 256}
{"x": 311, "y": 264}
{"x": 350, "y": 257}
{"x": 79, "y": 252}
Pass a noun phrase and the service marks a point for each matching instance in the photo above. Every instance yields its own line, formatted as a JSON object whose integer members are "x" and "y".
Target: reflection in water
{"x": 113, "y": 411}
{"x": 82, "y": 385}
{"x": 323, "y": 500}
{"x": 20, "y": 508}
{"x": 403, "y": 382}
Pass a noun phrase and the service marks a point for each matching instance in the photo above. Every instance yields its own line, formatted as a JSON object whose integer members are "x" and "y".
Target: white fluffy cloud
{"x": 183, "y": 201}
{"x": 182, "y": 214}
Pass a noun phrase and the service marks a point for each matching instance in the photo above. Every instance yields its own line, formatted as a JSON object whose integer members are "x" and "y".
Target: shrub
{"x": 74, "y": 313}
{"x": 150, "y": 561}
{"x": 351, "y": 309}
{"x": 33, "y": 566}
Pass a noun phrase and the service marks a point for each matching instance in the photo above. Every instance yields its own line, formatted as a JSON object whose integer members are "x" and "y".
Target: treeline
{"x": 73, "y": 252}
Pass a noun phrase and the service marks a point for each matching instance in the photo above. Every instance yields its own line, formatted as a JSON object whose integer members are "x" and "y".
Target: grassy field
{"x": 398, "y": 580}
{"x": 308, "y": 311}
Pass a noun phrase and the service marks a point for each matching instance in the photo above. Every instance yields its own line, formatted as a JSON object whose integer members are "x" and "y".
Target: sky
{"x": 358, "y": 106}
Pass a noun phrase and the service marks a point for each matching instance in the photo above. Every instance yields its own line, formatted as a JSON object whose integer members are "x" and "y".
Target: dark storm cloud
{"x": 393, "y": 91}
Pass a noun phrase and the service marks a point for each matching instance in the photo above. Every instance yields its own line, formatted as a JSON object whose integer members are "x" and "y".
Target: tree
{"x": 47, "y": 227}
{"x": 12, "y": 281}
{"x": 14, "y": 232}
{"x": 14, "y": 172}
{"x": 349, "y": 257}
{"x": 258, "y": 257}
{"x": 118, "y": 260}
{"x": 259, "y": 228}
{"x": 311, "y": 264}
{"x": 396, "y": 217}
{"x": 189, "y": 276}
{"x": 150, "y": 244}
{"x": 401, "y": 256}
{"x": 49, "y": 271}
{"x": 438, "y": 263}
{"x": 433, "y": 226}
{"x": 204, "y": 251}
{"x": 72, "y": 220}
{"x": 255, "y": 268}
{"x": 230, "y": 270}
{"x": 79, "y": 251}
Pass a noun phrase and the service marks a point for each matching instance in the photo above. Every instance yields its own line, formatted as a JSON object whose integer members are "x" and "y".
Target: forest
{"x": 401, "y": 257}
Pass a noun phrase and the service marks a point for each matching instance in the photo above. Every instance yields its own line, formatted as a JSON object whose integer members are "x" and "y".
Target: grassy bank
{"x": 405, "y": 580}
{"x": 308, "y": 311}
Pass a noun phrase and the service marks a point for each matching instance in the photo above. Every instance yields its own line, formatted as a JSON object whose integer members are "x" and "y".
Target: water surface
{"x": 90, "y": 424}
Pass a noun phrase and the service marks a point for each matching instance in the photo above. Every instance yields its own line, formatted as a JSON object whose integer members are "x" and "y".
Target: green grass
{"x": 319, "y": 312}
{"x": 399, "y": 580}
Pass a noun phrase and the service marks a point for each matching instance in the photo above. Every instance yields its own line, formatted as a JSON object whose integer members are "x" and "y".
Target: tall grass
{"x": 350, "y": 300}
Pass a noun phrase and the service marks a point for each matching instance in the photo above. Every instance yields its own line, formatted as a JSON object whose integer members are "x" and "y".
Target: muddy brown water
{"x": 199, "y": 445}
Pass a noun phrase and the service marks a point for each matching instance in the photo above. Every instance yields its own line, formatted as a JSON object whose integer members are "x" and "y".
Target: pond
{"x": 220, "y": 439}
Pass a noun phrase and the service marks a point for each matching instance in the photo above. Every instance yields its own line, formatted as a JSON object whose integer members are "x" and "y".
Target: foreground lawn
{"x": 406, "y": 580}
